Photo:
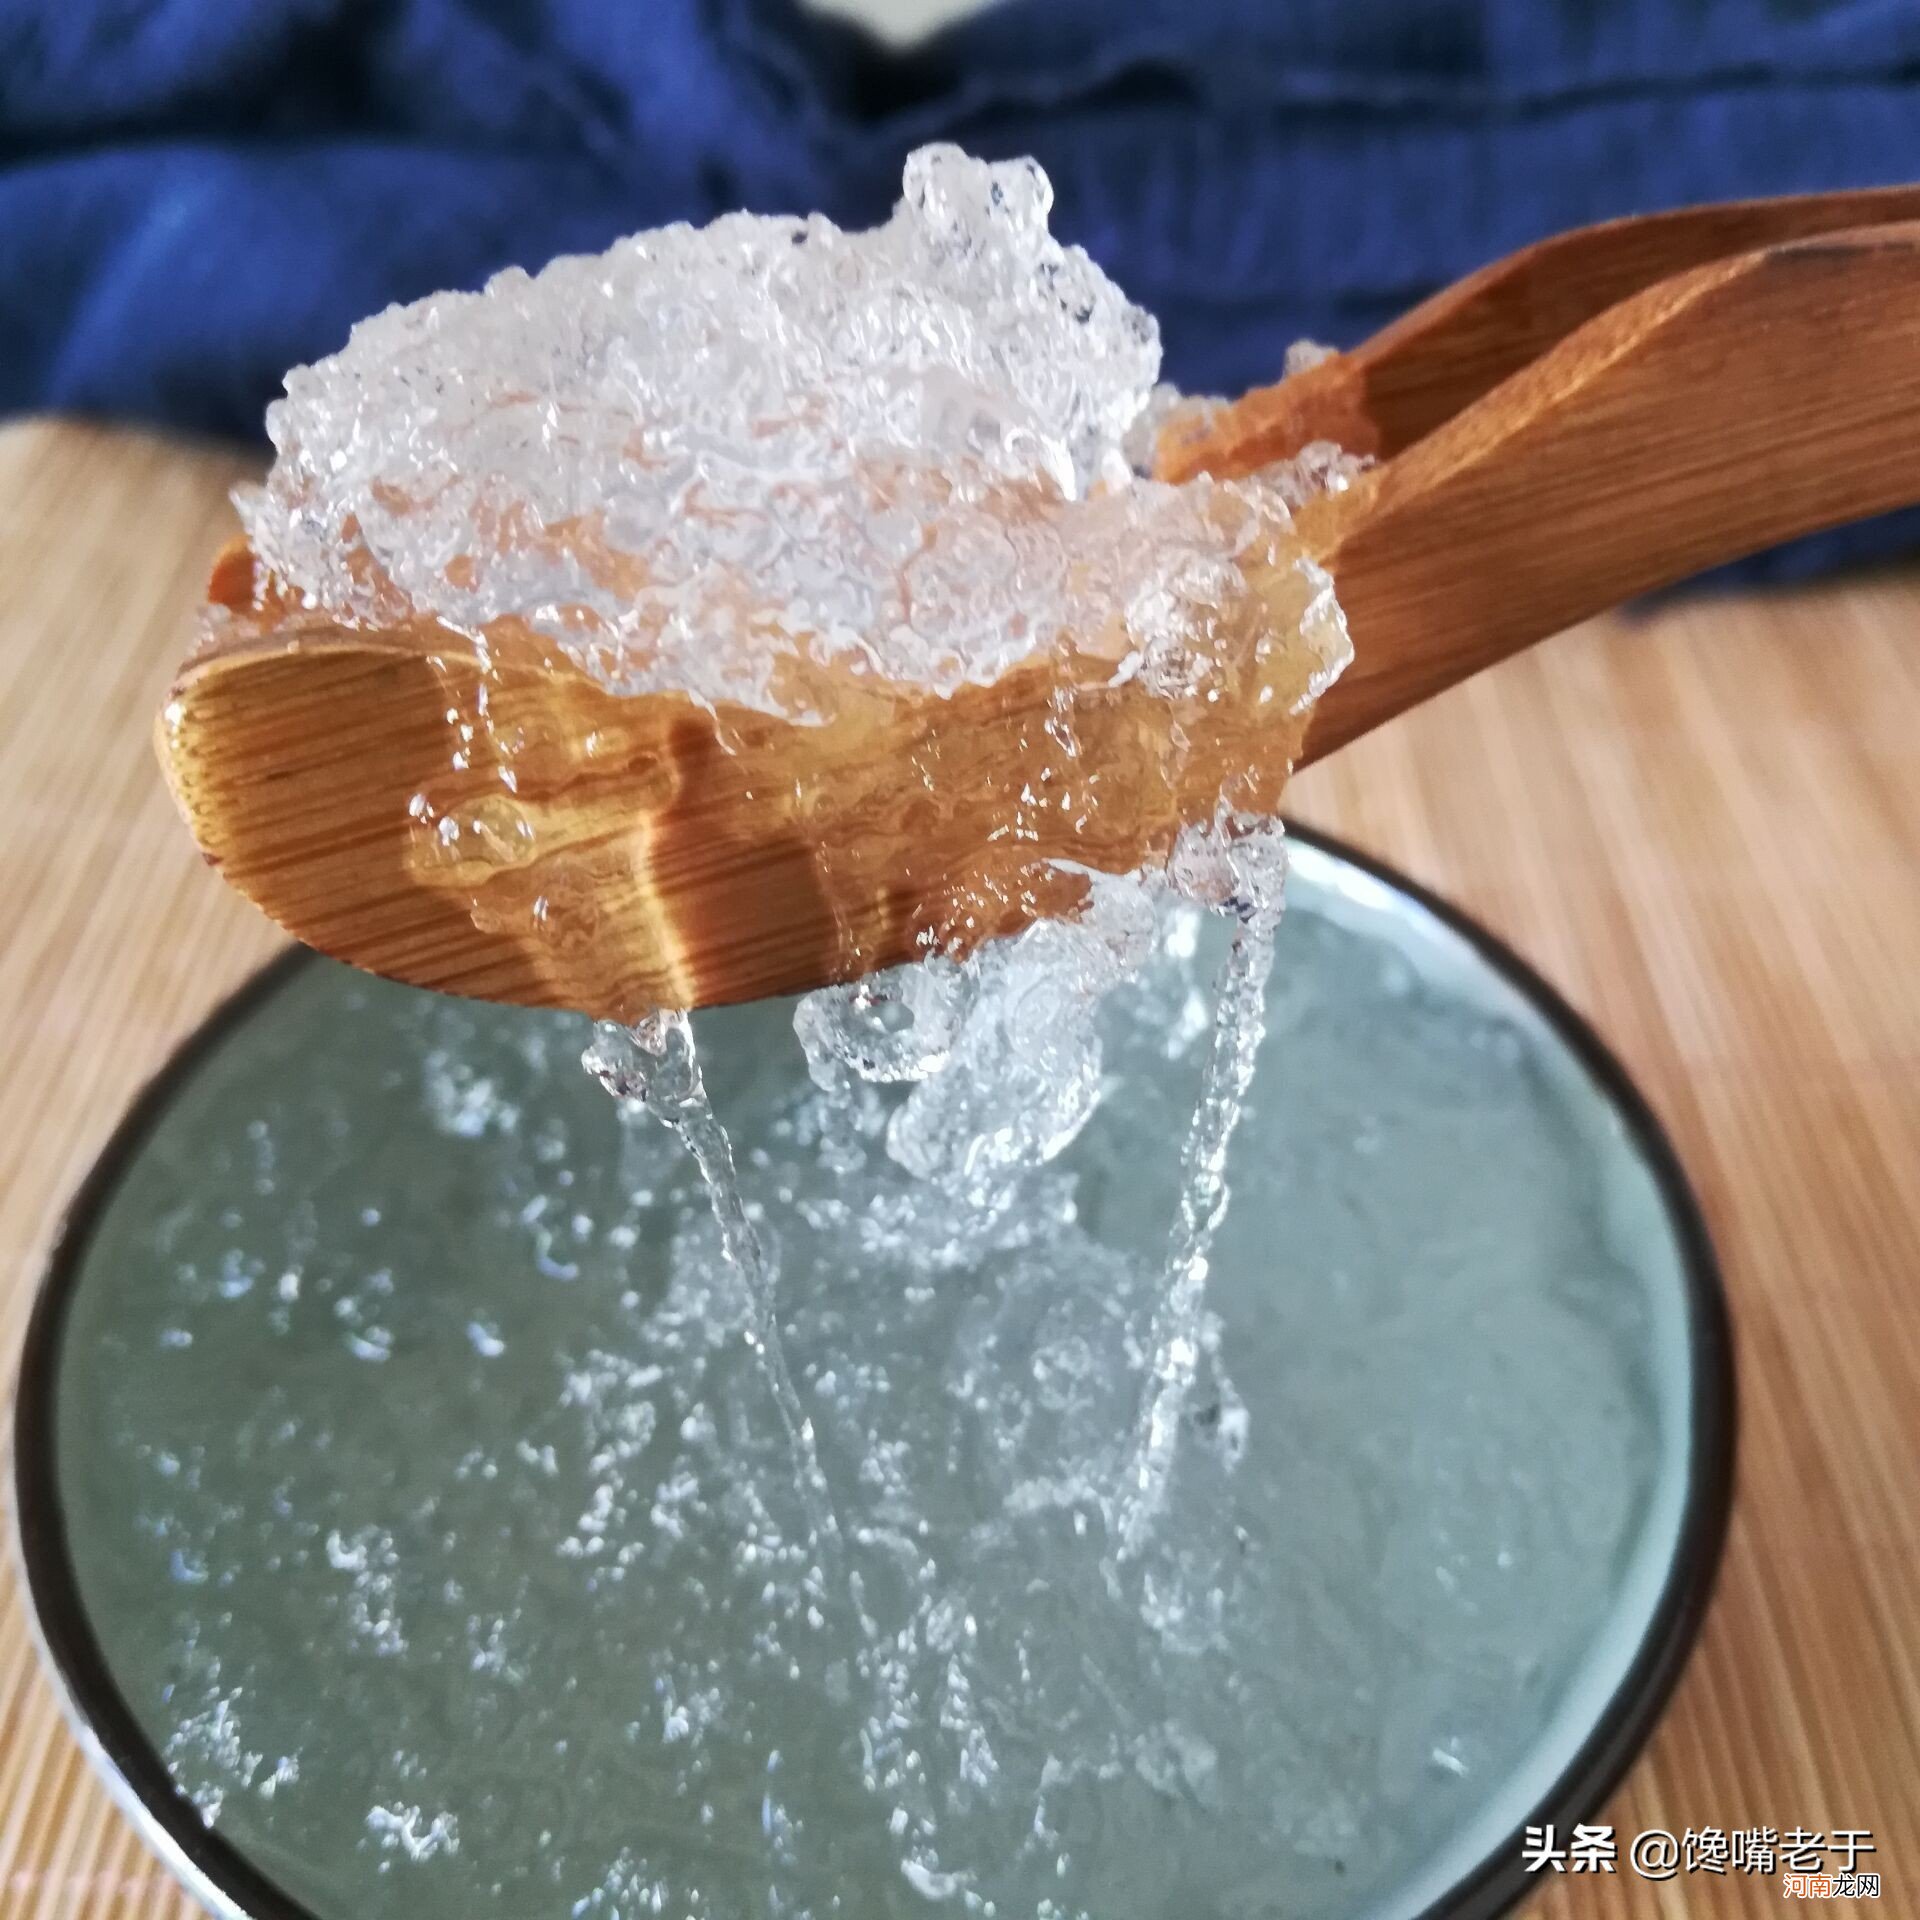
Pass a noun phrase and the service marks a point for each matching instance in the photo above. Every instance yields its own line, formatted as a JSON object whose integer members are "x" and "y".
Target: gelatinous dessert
{"x": 775, "y": 603}
{"x": 768, "y": 605}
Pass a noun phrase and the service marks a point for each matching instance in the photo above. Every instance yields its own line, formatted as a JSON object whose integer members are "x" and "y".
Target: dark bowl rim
{"x": 219, "y": 1873}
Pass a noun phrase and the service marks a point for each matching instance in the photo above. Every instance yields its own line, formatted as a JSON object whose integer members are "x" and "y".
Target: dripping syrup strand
{"x": 656, "y": 1063}
{"x": 1239, "y": 1025}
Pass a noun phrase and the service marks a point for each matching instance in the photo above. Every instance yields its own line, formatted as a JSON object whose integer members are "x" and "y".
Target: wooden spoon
{"x": 651, "y": 853}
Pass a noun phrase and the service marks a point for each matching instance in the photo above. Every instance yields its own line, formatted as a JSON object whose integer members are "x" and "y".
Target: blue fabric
{"x": 195, "y": 194}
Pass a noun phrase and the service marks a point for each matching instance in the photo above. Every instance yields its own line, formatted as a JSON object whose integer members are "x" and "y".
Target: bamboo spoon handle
{"x": 1417, "y": 373}
{"x": 1717, "y": 413}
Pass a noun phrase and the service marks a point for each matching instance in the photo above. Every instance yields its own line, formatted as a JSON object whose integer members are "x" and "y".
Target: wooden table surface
{"x": 1703, "y": 825}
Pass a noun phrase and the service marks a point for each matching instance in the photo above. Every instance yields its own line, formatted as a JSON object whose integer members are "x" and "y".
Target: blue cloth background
{"x": 195, "y": 194}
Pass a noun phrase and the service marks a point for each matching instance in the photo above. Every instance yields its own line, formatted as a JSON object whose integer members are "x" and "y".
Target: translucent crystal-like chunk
{"x": 680, "y": 455}
{"x": 828, "y": 554}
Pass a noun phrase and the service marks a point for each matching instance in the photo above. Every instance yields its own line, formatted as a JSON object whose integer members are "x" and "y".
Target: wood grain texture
{"x": 492, "y": 820}
{"x": 1724, "y": 410}
{"x": 1444, "y": 354}
{"x": 488, "y": 818}
{"x": 1704, "y": 825}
